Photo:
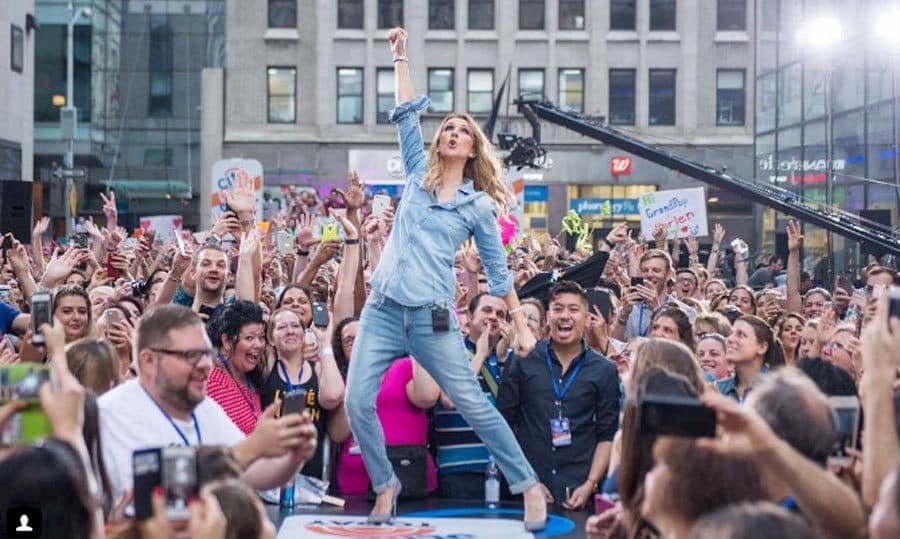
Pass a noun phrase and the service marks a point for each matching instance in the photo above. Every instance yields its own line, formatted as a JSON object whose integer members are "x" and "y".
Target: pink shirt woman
{"x": 403, "y": 424}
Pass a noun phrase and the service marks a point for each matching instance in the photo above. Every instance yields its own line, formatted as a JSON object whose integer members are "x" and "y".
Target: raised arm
{"x": 37, "y": 248}
{"x": 246, "y": 279}
{"x": 406, "y": 114}
{"x": 718, "y": 236}
{"x": 403, "y": 86}
{"x": 344, "y": 294}
{"x": 795, "y": 240}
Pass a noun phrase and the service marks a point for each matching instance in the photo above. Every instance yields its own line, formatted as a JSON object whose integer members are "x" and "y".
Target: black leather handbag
{"x": 410, "y": 466}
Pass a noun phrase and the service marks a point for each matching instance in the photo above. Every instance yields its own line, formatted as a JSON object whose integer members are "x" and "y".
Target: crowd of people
{"x": 550, "y": 351}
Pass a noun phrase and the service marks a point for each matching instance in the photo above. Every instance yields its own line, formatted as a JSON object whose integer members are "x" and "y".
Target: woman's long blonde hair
{"x": 484, "y": 169}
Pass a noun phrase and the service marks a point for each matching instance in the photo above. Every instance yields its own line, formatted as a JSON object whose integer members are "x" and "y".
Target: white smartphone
{"x": 180, "y": 242}
{"x": 380, "y": 203}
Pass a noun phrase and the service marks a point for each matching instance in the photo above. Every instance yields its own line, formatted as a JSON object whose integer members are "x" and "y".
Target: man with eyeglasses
{"x": 686, "y": 283}
{"x": 167, "y": 406}
{"x": 462, "y": 457}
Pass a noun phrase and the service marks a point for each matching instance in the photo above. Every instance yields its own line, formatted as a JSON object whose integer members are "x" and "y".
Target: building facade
{"x": 16, "y": 89}
{"x": 801, "y": 91}
{"x": 137, "y": 85}
{"x": 307, "y": 86}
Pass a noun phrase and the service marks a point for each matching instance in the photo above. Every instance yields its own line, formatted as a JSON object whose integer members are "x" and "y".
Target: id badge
{"x": 560, "y": 432}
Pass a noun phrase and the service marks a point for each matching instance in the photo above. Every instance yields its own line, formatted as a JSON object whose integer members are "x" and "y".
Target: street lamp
{"x": 69, "y": 113}
{"x": 820, "y": 35}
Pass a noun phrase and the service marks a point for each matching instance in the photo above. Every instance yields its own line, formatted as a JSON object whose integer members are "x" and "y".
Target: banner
{"x": 683, "y": 211}
{"x": 224, "y": 172}
{"x": 604, "y": 207}
{"x": 163, "y": 225}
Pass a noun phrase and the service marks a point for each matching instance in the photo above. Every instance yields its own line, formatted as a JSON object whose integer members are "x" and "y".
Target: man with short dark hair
{"x": 686, "y": 283}
{"x": 167, "y": 405}
{"x": 562, "y": 401}
{"x": 767, "y": 273}
{"x": 462, "y": 457}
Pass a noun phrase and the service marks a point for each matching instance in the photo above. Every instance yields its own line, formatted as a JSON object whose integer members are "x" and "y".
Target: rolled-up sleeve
{"x": 409, "y": 131}
{"x": 490, "y": 248}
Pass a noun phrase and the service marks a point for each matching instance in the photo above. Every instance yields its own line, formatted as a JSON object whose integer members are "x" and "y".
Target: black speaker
{"x": 15, "y": 209}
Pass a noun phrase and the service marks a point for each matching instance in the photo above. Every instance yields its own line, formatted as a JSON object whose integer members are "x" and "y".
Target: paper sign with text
{"x": 163, "y": 225}
{"x": 683, "y": 211}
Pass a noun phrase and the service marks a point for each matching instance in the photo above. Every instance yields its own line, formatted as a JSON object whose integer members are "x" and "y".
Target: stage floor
{"x": 425, "y": 519}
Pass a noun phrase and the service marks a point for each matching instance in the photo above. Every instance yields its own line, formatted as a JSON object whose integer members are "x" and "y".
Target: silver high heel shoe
{"x": 386, "y": 518}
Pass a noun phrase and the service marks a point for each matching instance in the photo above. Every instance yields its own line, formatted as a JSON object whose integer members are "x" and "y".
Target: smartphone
{"x": 601, "y": 300}
{"x": 285, "y": 242}
{"x": 602, "y": 503}
{"x": 380, "y": 203}
{"x": 208, "y": 311}
{"x": 41, "y": 313}
{"x": 330, "y": 232}
{"x": 111, "y": 271}
{"x": 846, "y": 416}
{"x": 320, "y": 314}
{"x": 22, "y": 382}
{"x": 146, "y": 466}
{"x": 676, "y": 416}
{"x": 635, "y": 281}
{"x": 179, "y": 241}
{"x": 179, "y": 480}
{"x": 342, "y": 212}
{"x": 5, "y": 293}
{"x": 113, "y": 316}
{"x": 80, "y": 240}
{"x": 293, "y": 403}
{"x": 893, "y": 302}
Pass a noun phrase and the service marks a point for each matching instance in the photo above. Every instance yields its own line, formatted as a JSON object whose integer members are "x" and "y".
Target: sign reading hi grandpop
{"x": 683, "y": 211}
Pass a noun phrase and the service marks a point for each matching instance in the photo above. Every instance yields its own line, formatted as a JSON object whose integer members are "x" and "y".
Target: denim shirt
{"x": 416, "y": 266}
{"x": 641, "y": 318}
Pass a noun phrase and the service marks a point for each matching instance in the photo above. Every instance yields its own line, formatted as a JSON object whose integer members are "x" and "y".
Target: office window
{"x": 390, "y": 13}
{"x": 480, "y": 91}
{"x": 481, "y": 14}
{"x": 571, "y": 90}
{"x": 158, "y": 157}
{"x": 622, "y": 14}
{"x": 160, "y": 96}
{"x": 531, "y": 14}
{"x": 282, "y": 89}
{"x": 159, "y": 65}
{"x": 730, "y": 97}
{"x": 571, "y": 14}
{"x": 350, "y": 95}
{"x": 662, "y": 97}
{"x": 662, "y": 14}
{"x": 16, "y": 49}
{"x": 441, "y": 14}
{"x": 350, "y": 13}
{"x": 282, "y": 13}
{"x": 384, "y": 94}
{"x": 531, "y": 82}
{"x": 621, "y": 96}
{"x": 440, "y": 90}
{"x": 731, "y": 15}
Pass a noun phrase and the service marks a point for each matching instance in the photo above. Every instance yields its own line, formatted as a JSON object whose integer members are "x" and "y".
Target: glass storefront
{"x": 792, "y": 138}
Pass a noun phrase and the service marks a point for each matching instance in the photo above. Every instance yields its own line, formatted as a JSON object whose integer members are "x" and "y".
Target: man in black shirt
{"x": 562, "y": 401}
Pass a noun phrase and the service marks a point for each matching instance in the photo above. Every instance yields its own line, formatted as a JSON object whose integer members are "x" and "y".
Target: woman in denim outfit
{"x": 452, "y": 193}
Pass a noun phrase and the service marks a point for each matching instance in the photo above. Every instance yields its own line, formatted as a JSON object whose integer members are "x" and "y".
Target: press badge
{"x": 560, "y": 432}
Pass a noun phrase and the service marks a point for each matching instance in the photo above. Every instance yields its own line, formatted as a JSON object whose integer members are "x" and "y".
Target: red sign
{"x": 620, "y": 166}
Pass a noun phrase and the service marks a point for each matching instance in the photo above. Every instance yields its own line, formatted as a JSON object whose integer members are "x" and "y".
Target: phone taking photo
{"x": 380, "y": 203}
{"x": 676, "y": 416}
{"x": 320, "y": 314}
{"x": 41, "y": 313}
{"x": 293, "y": 403}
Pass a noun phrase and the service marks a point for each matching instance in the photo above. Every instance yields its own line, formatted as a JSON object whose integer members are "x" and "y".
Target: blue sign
{"x": 604, "y": 206}
{"x": 535, "y": 193}
{"x": 391, "y": 190}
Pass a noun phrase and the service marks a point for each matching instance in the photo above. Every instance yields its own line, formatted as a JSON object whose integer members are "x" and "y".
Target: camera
{"x": 172, "y": 468}
{"x": 41, "y": 313}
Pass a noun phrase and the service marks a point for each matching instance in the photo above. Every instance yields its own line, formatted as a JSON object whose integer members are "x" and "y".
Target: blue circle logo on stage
{"x": 556, "y": 525}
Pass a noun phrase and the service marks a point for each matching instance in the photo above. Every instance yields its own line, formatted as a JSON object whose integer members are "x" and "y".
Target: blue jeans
{"x": 388, "y": 330}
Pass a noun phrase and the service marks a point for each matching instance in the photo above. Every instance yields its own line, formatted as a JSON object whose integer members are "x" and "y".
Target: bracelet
{"x": 352, "y": 241}
{"x": 517, "y": 309}
{"x": 326, "y": 350}
{"x": 401, "y": 59}
{"x": 607, "y": 242}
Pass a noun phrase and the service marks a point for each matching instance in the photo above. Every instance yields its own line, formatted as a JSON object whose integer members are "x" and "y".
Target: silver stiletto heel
{"x": 386, "y": 518}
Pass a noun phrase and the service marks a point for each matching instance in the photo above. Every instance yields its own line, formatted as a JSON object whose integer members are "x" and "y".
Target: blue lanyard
{"x": 287, "y": 378}
{"x": 172, "y": 422}
{"x": 249, "y": 387}
{"x": 640, "y": 331}
{"x": 491, "y": 363}
{"x": 561, "y": 393}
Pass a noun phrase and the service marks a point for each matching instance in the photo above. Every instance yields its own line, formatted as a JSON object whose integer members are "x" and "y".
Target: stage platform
{"x": 424, "y": 519}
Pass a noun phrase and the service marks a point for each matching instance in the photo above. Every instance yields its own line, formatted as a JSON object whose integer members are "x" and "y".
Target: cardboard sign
{"x": 163, "y": 225}
{"x": 683, "y": 211}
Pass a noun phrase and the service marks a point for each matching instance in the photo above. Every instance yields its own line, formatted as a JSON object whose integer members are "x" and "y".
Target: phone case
{"x": 329, "y": 232}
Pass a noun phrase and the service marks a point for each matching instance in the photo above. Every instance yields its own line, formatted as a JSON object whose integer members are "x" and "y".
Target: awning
{"x": 150, "y": 188}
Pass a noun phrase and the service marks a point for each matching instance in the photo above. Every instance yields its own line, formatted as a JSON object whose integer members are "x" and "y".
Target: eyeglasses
{"x": 191, "y": 357}
{"x": 533, "y": 318}
{"x": 834, "y": 345}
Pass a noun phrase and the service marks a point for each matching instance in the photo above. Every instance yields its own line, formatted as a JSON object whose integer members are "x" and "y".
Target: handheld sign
{"x": 683, "y": 211}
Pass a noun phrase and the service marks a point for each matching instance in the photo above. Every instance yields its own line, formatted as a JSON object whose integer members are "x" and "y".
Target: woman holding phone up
{"x": 453, "y": 192}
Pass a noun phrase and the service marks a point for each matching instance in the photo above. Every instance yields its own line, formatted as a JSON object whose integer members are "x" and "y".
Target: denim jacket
{"x": 416, "y": 267}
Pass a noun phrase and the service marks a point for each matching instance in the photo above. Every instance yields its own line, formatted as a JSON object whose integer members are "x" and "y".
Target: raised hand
{"x": 92, "y": 229}
{"x": 718, "y": 234}
{"x": 692, "y": 246}
{"x": 109, "y": 209}
{"x": 795, "y": 236}
{"x": 350, "y": 232}
{"x": 305, "y": 236}
{"x": 241, "y": 197}
{"x": 471, "y": 260}
{"x": 325, "y": 252}
{"x": 227, "y": 222}
{"x": 40, "y": 227}
{"x": 618, "y": 234}
{"x": 397, "y": 40}
{"x": 61, "y": 266}
{"x": 659, "y": 235}
{"x": 355, "y": 195}
{"x": 249, "y": 242}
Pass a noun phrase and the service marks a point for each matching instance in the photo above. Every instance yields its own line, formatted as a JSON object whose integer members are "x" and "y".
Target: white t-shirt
{"x": 130, "y": 420}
